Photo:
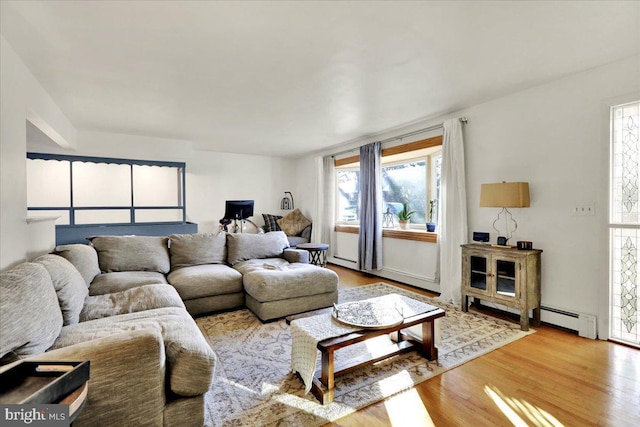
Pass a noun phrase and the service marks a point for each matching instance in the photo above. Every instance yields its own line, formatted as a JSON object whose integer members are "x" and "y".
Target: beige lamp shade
{"x": 505, "y": 195}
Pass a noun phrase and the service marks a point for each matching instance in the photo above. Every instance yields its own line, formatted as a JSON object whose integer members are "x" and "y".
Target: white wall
{"x": 553, "y": 136}
{"x": 406, "y": 261}
{"x": 21, "y": 97}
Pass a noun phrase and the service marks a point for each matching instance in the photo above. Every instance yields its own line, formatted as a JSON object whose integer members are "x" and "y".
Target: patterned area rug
{"x": 254, "y": 384}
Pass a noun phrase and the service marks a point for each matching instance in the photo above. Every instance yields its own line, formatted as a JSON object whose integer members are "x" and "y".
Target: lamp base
{"x": 507, "y": 217}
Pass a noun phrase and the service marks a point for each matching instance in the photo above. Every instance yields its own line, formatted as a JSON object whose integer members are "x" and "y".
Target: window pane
{"x": 103, "y": 216}
{"x": 406, "y": 182}
{"x": 625, "y": 282}
{"x": 626, "y": 170}
{"x": 348, "y": 195}
{"x": 100, "y": 184}
{"x": 48, "y": 183}
{"x": 156, "y": 186}
{"x": 158, "y": 215}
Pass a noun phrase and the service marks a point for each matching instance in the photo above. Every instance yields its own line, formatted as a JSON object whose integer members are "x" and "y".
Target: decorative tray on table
{"x": 41, "y": 382}
{"x": 367, "y": 314}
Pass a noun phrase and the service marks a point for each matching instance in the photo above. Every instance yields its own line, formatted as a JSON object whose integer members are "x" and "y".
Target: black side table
{"x": 317, "y": 252}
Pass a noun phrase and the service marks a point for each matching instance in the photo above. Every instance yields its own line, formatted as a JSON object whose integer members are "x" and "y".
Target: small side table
{"x": 317, "y": 252}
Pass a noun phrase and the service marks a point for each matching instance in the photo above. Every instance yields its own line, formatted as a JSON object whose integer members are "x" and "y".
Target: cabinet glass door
{"x": 479, "y": 272}
{"x": 506, "y": 278}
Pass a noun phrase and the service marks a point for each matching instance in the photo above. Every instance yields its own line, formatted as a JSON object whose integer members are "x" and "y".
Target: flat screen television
{"x": 238, "y": 209}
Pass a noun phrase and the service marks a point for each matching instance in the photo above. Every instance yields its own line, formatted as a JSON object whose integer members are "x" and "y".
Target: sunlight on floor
{"x": 389, "y": 385}
{"x": 407, "y": 410}
{"x": 518, "y": 410}
{"x": 235, "y": 384}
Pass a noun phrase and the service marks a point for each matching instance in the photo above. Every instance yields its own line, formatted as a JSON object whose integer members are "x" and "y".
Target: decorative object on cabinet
{"x": 502, "y": 275}
{"x": 505, "y": 195}
{"x": 479, "y": 236}
{"x": 524, "y": 245}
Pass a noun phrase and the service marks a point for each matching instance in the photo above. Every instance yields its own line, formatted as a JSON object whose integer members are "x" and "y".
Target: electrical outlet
{"x": 584, "y": 209}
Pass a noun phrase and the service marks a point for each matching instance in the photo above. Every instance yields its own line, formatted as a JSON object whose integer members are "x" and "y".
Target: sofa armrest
{"x": 127, "y": 378}
{"x": 296, "y": 255}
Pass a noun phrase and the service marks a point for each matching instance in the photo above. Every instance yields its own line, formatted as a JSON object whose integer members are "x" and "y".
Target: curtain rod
{"x": 463, "y": 120}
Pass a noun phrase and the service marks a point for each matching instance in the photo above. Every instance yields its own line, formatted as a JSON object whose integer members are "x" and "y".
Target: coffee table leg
{"x": 428, "y": 341}
{"x": 322, "y": 388}
{"x": 327, "y": 377}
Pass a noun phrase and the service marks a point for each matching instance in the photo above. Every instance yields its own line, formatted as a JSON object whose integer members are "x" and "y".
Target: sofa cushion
{"x": 205, "y": 280}
{"x": 122, "y": 280}
{"x": 83, "y": 257}
{"x": 271, "y": 222}
{"x": 190, "y": 358}
{"x": 30, "y": 318}
{"x": 142, "y": 298}
{"x": 70, "y": 287}
{"x": 248, "y": 266}
{"x": 286, "y": 280}
{"x": 241, "y": 247}
{"x": 132, "y": 253}
{"x": 197, "y": 249}
{"x": 294, "y": 223}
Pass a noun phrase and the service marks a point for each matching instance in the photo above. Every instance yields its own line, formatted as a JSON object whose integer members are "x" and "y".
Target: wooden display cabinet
{"x": 502, "y": 275}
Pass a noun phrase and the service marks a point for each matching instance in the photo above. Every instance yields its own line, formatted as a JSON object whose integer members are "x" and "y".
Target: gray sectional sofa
{"x": 125, "y": 303}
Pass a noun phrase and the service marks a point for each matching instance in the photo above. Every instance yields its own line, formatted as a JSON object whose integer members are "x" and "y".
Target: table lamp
{"x": 505, "y": 195}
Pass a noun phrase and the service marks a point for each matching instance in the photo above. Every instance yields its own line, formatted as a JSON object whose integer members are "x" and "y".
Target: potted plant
{"x": 404, "y": 216}
{"x": 431, "y": 225}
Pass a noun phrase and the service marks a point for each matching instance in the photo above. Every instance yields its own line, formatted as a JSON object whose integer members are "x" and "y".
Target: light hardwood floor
{"x": 549, "y": 378}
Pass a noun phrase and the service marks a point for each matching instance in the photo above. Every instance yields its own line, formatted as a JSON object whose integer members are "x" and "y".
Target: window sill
{"x": 394, "y": 233}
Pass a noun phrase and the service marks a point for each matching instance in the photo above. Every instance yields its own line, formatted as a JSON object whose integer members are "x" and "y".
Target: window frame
{"x": 416, "y": 231}
{"x": 132, "y": 207}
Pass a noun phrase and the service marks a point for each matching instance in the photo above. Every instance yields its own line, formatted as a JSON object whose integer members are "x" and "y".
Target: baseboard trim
{"x": 418, "y": 281}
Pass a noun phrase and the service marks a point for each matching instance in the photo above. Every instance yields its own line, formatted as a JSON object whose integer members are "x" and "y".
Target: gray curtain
{"x": 370, "y": 239}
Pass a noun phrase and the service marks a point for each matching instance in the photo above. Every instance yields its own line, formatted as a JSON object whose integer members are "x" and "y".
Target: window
{"x": 95, "y": 190}
{"x": 348, "y": 182}
{"x": 406, "y": 181}
{"x": 410, "y": 173}
{"x": 624, "y": 224}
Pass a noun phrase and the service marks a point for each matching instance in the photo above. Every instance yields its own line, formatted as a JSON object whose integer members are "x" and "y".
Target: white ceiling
{"x": 286, "y": 78}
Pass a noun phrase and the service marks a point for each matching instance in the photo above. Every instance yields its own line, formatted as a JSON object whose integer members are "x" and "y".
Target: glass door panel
{"x": 479, "y": 272}
{"x": 506, "y": 278}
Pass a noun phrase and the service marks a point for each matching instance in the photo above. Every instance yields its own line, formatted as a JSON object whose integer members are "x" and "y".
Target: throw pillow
{"x": 197, "y": 249}
{"x": 70, "y": 287}
{"x": 294, "y": 223}
{"x": 243, "y": 247}
{"x": 271, "y": 222}
{"x": 83, "y": 257}
{"x": 132, "y": 253}
{"x": 30, "y": 318}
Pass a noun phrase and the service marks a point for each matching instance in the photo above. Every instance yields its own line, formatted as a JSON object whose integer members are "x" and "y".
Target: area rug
{"x": 254, "y": 385}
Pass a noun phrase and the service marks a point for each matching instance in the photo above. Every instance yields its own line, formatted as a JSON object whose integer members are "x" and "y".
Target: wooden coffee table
{"x": 324, "y": 378}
